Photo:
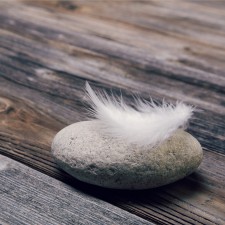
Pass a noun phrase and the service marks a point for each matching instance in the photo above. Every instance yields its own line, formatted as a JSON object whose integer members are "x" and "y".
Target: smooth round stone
{"x": 83, "y": 151}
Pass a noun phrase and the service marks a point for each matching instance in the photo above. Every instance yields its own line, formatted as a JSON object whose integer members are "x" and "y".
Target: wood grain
{"x": 39, "y": 199}
{"x": 168, "y": 49}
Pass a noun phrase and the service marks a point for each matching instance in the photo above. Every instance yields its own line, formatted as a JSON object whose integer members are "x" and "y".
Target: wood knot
{"x": 5, "y": 106}
{"x": 68, "y": 5}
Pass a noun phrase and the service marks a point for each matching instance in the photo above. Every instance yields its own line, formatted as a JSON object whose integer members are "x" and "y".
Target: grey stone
{"x": 90, "y": 156}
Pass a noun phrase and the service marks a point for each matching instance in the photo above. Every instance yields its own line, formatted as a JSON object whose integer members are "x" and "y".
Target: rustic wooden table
{"x": 169, "y": 49}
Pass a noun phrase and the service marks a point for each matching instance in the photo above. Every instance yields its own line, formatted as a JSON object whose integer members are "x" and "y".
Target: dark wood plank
{"x": 169, "y": 49}
{"x": 30, "y": 197}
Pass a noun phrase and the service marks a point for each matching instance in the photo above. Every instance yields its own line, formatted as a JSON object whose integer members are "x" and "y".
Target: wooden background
{"x": 167, "y": 49}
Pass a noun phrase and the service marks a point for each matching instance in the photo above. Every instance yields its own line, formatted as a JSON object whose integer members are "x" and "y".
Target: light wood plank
{"x": 30, "y": 197}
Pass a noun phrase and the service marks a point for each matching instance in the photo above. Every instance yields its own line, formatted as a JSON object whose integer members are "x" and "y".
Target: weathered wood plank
{"x": 30, "y": 197}
{"x": 169, "y": 49}
{"x": 55, "y": 85}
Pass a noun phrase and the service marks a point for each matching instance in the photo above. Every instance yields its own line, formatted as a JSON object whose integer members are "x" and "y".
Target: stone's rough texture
{"x": 90, "y": 156}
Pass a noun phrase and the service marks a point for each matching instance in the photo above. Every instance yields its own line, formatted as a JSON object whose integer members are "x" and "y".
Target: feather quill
{"x": 146, "y": 124}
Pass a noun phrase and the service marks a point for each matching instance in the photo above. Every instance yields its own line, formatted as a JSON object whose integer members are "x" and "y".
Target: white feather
{"x": 149, "y": 125}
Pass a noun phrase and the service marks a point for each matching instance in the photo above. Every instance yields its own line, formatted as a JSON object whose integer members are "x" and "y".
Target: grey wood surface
{"x": 172, "y": 49}
{"x": 30, "y": 197}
